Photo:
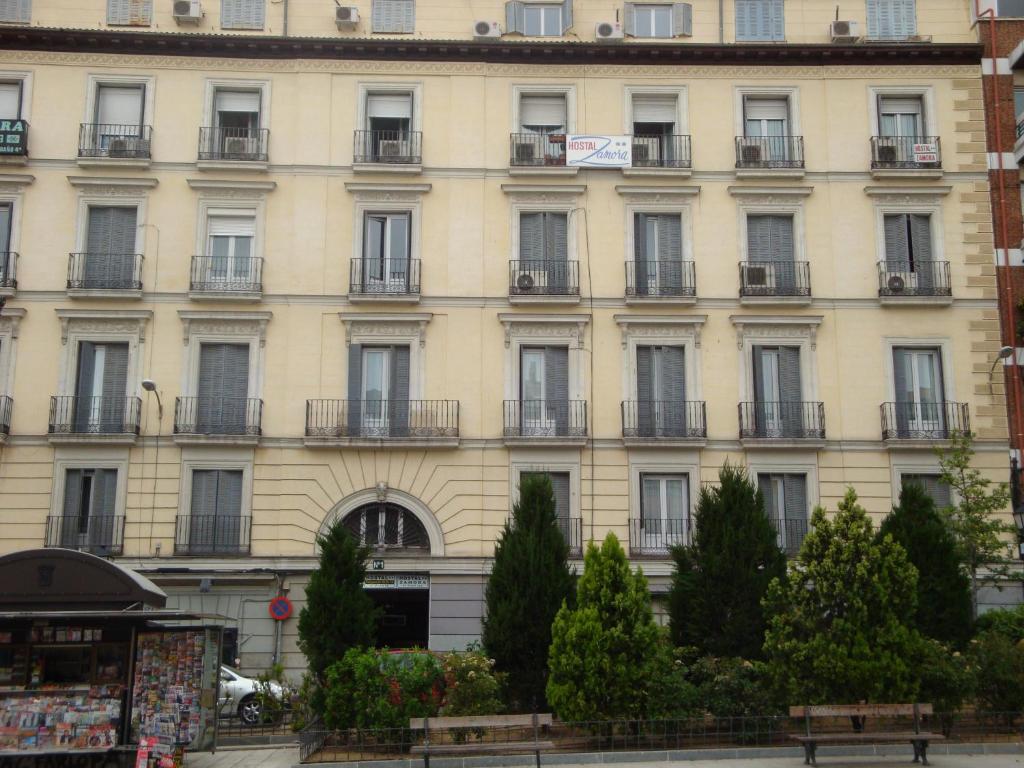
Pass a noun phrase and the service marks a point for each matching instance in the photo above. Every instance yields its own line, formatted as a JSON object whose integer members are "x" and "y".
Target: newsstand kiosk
{"x": 92, "y": 664}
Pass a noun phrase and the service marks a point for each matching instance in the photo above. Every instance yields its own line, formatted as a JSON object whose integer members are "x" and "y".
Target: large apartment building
{"x": 274, "y": 265}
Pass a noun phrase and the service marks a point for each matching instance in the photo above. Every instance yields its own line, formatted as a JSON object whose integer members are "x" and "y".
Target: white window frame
{"x": 942, "y": 343}
{"x": 536, "y": 330}
{"x": 685, "y": 212}
{"x": 547, "y": 5}
{"x": 366, "y": 88}
{"x": 790, "y": 94}
{"x": 932, "y": 210}
{"x": 540, "y": 460}
{"x": 914, "y": 463}
{"x": 92, "y": 90}
{"x": 102, "y": 326}
{"x": 793, "y": 208}
{"x": 87, "y": 201}
{"x": 666, "y": 331}
{"x": 682, "y": 104}
{"x": 518, "y": 208}
{"x": 25, "y": 78}
{"x": 363, "y": 208}
{"x": 568, "y": 91}
{"x": 924, "y": 92}
{"x": 224, "y": 328}
{"x": 216, "y": 458}
{"x": 653, "y": 5}
{"x": 93, "y": 457}
{"x": 683, "y": 461}
{"x": 212, "y": 86}
{"x": 10, "y": 320}
{"x": 384, "y": 329}
{"x": 214, "y": 208}
{"x": 783, "y": 331}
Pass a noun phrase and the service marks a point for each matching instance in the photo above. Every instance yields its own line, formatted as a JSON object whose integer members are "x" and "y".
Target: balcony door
{"x": 10, "y": 100}
{"x": 543, "y": 252}
{"x": 544, "y": 391}
{"x": 386, "y": 246}
{"x": 563, "y": 510}
{"x": 778, "y": 410}
{"x": 654, "y": 125}
{"x": 658, "y": 254}
{"x": 101, "y": 386}
{"x": 230, "y": 259}
{"x": 223, "y": 390}
{"x": 661, "y": 391}
{"x": 236, "y": 116}
{"x": 89, "y": 505}
{"x": 541, "y": 116}
{"x": 785, "y": 504}
{"x": 766, "y": 123}
{"x": 119, "y": 118}
{"x": 771, "y": 267}
{"x": 908, "y": 251}
{"x": 6, "y": 257}
{"x": 664, "y": 507}
{"x": 388, "y": 121}
{"x": 110, "y": 249}
{"x": 215, "y": 524}
{"x": 900, "y": 117}
{"x": 378, "y": 390}
{"x": 919, "y": 391}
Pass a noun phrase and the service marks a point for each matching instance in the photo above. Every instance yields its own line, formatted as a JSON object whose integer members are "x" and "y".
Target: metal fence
{"x": 387, "y": 147}
{"x": 247, "y": 144}
{"x": 220, "y": 274}
{"x": 655, "y": 537}
{"x": 99, "y": 415}
{"x": 8, "y": 269}
{"x": 905, "y": 152}
{"x": 535, "y": 277}
{"x": 212, "y": 534}
{"x": 769, "y": 151}
{"x": 384, "y": 277}
{"x": 6, "y": 406}
{"x": 664, "y": 419}
{"x": 917, "y": 278}
{"x": 660, "y": 279}
{"x": 545, "y": 418}
{"x": 114, "y": 141}
{"x": 537, "y": 149}
{"x": 775, "y": 278}
{"x": 105, "y": 271}
{"x": 382, "y": 419}
{"x": 101, "y": 535}
{"x": 923, "y": 421}
{"x": 218, "y": 416}
{"x": 782, "y": 419}
{"x": 661, "y": 151}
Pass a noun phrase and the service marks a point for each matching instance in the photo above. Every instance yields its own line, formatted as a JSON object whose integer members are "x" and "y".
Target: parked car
{"x": 238, "y": 696}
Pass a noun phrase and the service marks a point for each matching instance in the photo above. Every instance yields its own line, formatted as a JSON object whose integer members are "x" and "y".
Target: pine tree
{"x": 338, "y": 614}
{"x": 840, "y": 628}
{"x": 943, "y": 591}
{"x": 721, "y": 578}
{"x": 529, "y": 581}
{"x": 605, "y": 653}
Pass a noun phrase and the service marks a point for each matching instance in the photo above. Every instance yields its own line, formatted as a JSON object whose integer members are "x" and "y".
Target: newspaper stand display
{"x": 92, "y": 665}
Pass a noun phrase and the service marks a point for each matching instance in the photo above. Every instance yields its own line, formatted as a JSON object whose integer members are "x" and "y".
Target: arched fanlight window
{"x": 381, "y": 525}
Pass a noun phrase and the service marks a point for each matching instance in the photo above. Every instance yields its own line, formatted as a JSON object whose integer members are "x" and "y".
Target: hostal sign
{"x": 13, "y": 137}
{"x": 598, "y": 151}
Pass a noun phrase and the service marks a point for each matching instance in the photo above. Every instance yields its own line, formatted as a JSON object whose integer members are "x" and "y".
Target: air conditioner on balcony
{"x": 896, "y": 284}
{"x": 751, "y": 154}
{"x": 391, "y": 150}
{"x": 237, "y": 145}
{"x": 346, "y": 16}
{"x": 645, "y": 153}
{"x": 887, "y": 154}
{"x": 187, "y": 11}
{"x": 486, "y": 29}
{"x": 608, "y": 30}
{"x": 844, "y": 32}
{"x": 524, "y": 153}
{"x": 122, "y": 146}
{"x": 757, "y": 277}
{"x": 525, "y": 282}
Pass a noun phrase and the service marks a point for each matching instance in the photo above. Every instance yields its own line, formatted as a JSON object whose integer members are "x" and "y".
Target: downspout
{"x": 286, "y": 18}
{"x": 721, "y": 20}
{"x": 280, "y": 592}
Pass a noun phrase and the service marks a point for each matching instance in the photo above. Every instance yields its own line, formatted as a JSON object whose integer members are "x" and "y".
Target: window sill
{"x": 104, "y": 293}
{"x": 114, "y": 162}
{"x": 789, "y": 301}
{"x": 384, "y": 298}
{"x": 13, "y": 159}
{"x": 679, "y": 301}
{"x": 542, "y": 170}
{"x": 675, "y": 173}
{"x": 88, "y": 438}
{"x": 239, "y": 296}
{"x": 565, "y": 441}
{"x": 908, "y": 443}
{"x": 544, "y": 299}
{"x": 664, "y": 442}
{"x": 906, "y": 173}
{"x": 410, "y": 169}
{"x": 770, "y": 173}
{"x": 915, "y": 301}
{"x": 782, "y": 442}
{"x": 383, "y": 442}
{"x": 190, "y": 439}
{"x": 232, "y": 165}
{"x": 8, "y": 291}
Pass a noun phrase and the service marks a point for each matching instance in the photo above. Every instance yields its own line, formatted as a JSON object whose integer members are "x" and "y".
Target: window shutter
{"x": 515, "y": 16}
{"x": 115, "y": 384}
{"x": 133, "y": 12}
{"x": 566, "y": 16}
{"x": 355, "y": 387}
{"x": 104, "y": 490}
{"x": 673, "y": 382}
{"x": 794, "y": 491}
{"x": 644, "y": 389}
{"x": 72, "y": 508}
{"x": 764, "y": 485}
{"x": 756, "y": 355}
{"x": 204, "y": 506}
{"x": 123, "y": 226}
{"x": 682, "y": 19}
{"x": 744, "y": 20}
{"x": 897, "y": 248}
{"x": 16, "y": 10}
{"x": 900, "y": 360}
{"x": 5, "y": 234}
{"x": 242, "y": 14}
{"x": 905, "y": 18}
{"x": 556, "y": 386}
{"x": 650, "y": 503}
{"x": 933, "y": 486}
{"x": 670, "y": 238}
{"x": 873, "y": 16}
{"x": 531, "y": 237}
{"x": 98, "y": 236}
{"x": 398, "y": 394}
{"x": 393, "y": 16}
{"x": 86, "y": 371}
{"x": 556, "y": 237}
{"x": 791, "y": 391}
{"x": 629, "y": 19}
{"x": 560, "y": 485}
{"x": 777, "y": 20}
{"x": 921, "y": 234}
{"x": 782, "y": 238}
{"x": 759, "y": 241}
{"x": 229, "y": 493}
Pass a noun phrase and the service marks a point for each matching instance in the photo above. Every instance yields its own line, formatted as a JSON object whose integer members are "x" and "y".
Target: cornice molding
{"x": 386, "y": 323}
{"x": 676, "y": 190}
{"x": 791, "y": 326}
{"x": 16, "y": 179}
{"x": 232, "y": 185}
{"x": 544, "y": 189}
{"x": 10, "y": 319}
{"x": 873, "y": 190}
{"x": 193, "y": 321}
{"x": 526, "y": 324}
{"x": 769, "y": 191}
{"x": 121, "y": 182}
{"x": 660, "y": 326}
{"x": 128, "y": 320}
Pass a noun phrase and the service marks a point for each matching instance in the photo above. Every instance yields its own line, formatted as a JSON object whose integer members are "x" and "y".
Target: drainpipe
{"x": 721, "y": 21}
{"x": 286, "y": 18}
{"x": 281, "y": 592}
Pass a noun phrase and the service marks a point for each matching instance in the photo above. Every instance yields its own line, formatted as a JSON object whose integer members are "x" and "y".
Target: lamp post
{"x": 1002, "y": 354}
{"x": 150, "y": 386}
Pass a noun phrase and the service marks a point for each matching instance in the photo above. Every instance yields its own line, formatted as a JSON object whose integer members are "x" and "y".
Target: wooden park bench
{"x": 918, "y": 739}
{"x": 438, "y": 747}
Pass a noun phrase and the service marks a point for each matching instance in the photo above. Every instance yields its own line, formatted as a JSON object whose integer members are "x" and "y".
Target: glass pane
{"x": 927, "y": 390}
{"x": 652, "y": 499}
{"x": 220, "y": 248}
{"x": 770, "y": 375}
{"x": 662, "y": 21}
{"x": 374, "y": 380}
{"x": 753, "y": 128}
{"x": 887, "y": 126}
{"x": 552, "y": 20}
{"x": 674, "y": 496}
{"x": 533, "y": 17}
{"x": 643, "y": 22}
{"x": 399, "y": 242}
{"x": 242, "y": 261}
{"x": 533, "y": 374}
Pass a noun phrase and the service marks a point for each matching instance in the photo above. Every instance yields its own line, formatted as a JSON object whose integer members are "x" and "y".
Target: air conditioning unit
{"x": 486, "y": 29}
{"x": 346, "y": 16}
{"x": 645, "y": 153}
{"x": 237, "y": 145}
{"x": 187, "y": 11}
{"x": 751, "y": 154}
{"x": 391, "y": 150}
{"x": 608, "y": 30}
{"x": 896, "y": 284}
{"x": 524, "y": 153}
{"x": 844, "y": 32}
{"x": 756, "y": 276}
{"x": 121, "y": 147}
{"x": 525, "y": 282}
{"x": 887, "y": 154}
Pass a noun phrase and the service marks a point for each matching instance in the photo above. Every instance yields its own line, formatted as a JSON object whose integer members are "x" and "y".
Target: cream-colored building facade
{"x": 765, "y": 284}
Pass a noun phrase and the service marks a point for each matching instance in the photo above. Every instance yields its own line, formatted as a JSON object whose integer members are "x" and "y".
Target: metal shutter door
{"x": 670, "y": 251}
{"x": 783, "y": 253}
{"x": 101, "y": 518}
{"x": 229, "y": 509}
{"x": 897, "y": 247}
{"x": 242, "y": 14}
{"x": 654, "y": 108}
{"x": 921, "y": 250}
{"x": 771, "y": 511}
{"x": 904, "y": 395}
{"x": 645, "y": 394}
{"x": 223, "y": 387}
{"x": 355, "y": 388}
{"x": 556, "y": 249}
{"x": 72, "y": 508}
{"x": 132, "y": 12}
{"x": 115, "y": 385}
{"x": 673, "y": 393}
{"x": 397, "y": 105}
{"x": 236, "y": 101}
{"x": 393, "y": 16}
{"x": 791, "y": 391}
{"x": 556, "y": 387}
{"x": 515, "y": 16}
{"x": 398, "y": 394}
{"x": 560, "y": 485}
{"x": 531, "y": 240}
{"x": 542, "y": 110}
{"x": 202, "y": 530}
{"x": 119, "y": 105}
{"x": 794, "y": 490}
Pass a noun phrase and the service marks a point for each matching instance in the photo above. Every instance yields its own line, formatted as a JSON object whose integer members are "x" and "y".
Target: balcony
{"x": 6, "y": 407}
{"x": 220, "y": 278}
{"x": 769, "y": 155}
{"x": 233, "y": 148}
{"x": 94, "y": 419}
{"x": 105, "y": 275}
{"x": 661, "y": 282}
{"x": 781, "y": 422}
{"x": 660, "y": 155}
{"x": 547, "y": 422}
{"x": 388, "y": 151}
{"x": 538, "y": 153}
{"x": 110, "y": 144}
{"x": 663, "y": 422}
{"x": 380, "y": 423}
{"x": 572, "y": 530}
{"x": 532, "y": 281}
{"x": 8, "y": 273}
{"x": 101, "y": 535}
{"x": 212, "y": 535}
{"x": 388, "y": 280}
{"x": 791, "y": 533}
{"x": 914, "y": 282}
{"x": 918, "y": 156}
{"x": 923, "y": 422}
{"x": 231, "y": 420}
{"x": 775, "y": 282}
{"x": 656, "y": 537}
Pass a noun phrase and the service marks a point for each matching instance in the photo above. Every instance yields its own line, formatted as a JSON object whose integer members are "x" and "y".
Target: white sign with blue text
{"x": 587, "y": 151}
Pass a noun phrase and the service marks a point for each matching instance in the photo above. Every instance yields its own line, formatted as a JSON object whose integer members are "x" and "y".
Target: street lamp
{"x": 150, "y": 386}
{"x": 1002, "y": 354}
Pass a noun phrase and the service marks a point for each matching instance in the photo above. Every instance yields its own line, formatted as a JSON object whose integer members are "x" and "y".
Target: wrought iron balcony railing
{"x": 218, "y": 416}
{"x": 382, "y": 419}
{"x": 537, "y": 149}
{"x": 248, "y": 144}
{"x": 572, "y": 530}
{"x": 6, "y": 407}
{"x": 775, "y": 278}
{"x": 101, "y": 535}
{"x": 71, "y": 415}
{"x": 905, "y": 152}
{"x": 661, "y": 151}
{"x": 531, "y": 277}
{"x": 791, "y": 533}
{"x": 782, "y": 420}
{"x": 212, "y": 535}
{"x": 924, "y": 421}
{"x": 660, "y": 279}
{"x": 655, "y": 537}
{"x": 221, "y": 274}
{"x": 545, "y": 418}
{"x": 384, "y": 277}
{"x": 388, "y": 147}
{"x": 769, "y": 151}
{"x": 115, "y": 141}
{"x": 105, "y": 271}
{"x": 8, "y": 269}
{"x": 917, "y": 278}
{"x": 664, "y": 419}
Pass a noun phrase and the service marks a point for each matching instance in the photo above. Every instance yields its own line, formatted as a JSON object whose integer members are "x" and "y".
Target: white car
{"x": 238, "y": 696}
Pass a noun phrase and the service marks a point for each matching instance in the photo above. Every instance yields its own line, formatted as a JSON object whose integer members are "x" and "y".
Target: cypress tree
{"x": 529, "y": 581}
{"x": 943, "y": 590}
{"x": 721, "y": 578}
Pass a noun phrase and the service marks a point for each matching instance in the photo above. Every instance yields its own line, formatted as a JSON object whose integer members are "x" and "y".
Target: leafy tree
{"x": 1008, "y": 622}
{"x": 943, "y": 592}
{"x": 984, "y": 541}
{"x": 721, "y": 578}
{"x": 338, "y": 614}
{"x": 606, "y": 654}
{"x": 529, "y": 582}
{"x": 1000, "y": 670}
{"x": 841, "y": 626}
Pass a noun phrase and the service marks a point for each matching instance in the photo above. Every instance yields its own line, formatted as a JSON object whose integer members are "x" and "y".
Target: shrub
{"x": 304, "y": 709}
{"x": 672, "y": 695}
{"x": 1000, "y": 672}
{"x": 733, "y": 687}
{"x": 274, "y": 693}
{"x": 947, "y": 680}
{"x": 1008, "y": 623}
{"x": 471, "y": 686}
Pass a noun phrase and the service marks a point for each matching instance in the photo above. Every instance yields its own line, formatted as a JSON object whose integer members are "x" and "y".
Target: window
{"x": 110, "y": 260}
{"x": 785, "y": 503}
{"x": 544, "y": 390}
{"x": 932, "y": 485}
{"x": 778, "y": 391}
{"x": 117, "y": 122}
{"x": 901, "y": 116}
{"x": 10, "y": 100}
{"x": 654, "y": 128}
{"x": 223, "y": 389}
{"x": 378, "y": 390}
{"x": 386, "y": 249}
{"x": 388, "y": 126}
{"x": 770, "y": 268}
{"x": 229, "y": 259}
{"x": 544, "y": 238}
{"x": 235, "y": 128}
{"x": 101, "y": 388}
{"x": 765, "y": 117}
{"x": 394, "y": 16}
{"x": 1018, "y": 101}
{"x": 386, "y": 526}
{"x": 658, "y": 253}
{"x": 130, "y": 12}
{"x": 908, "y": 248}
{"x": 917, "y": 381}
{"x": 649, "y": 20}
{"x": 664, "y": 512}
{"x": 237, "y": 111}
{"x": 88, "y": 519}
{"x": 215, "y": 523}
{"x": 892, "y": 19}
{"x": 560, "y": 486}
{"x": 241, "y": 14}
{"x": 542, "y": 113}
{"x": 760, "y": 20}
{"x": 538, "y": 19}
{"x": 16, "y": 11}
{"x": 6, "y": 260}
{"x": 660, "y": 391}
